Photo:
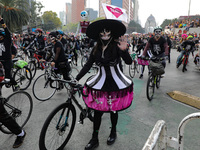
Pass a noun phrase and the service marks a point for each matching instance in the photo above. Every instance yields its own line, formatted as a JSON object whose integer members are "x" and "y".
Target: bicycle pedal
{"x": 80, "y": 122}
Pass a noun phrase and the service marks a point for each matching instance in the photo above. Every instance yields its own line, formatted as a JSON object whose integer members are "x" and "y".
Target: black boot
{"x": 111, "y": 139}
{"x": 94, "y": 142}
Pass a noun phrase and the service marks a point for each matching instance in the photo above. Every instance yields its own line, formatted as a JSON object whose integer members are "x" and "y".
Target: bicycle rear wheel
{"x": 150, "y": 88}
{"x": 58, "y": 128}
{"x": 23, "y": 77}
{"x": 19, "y": 105}
{"x": 43, "y": 89}
{"x": 73, "y": 73}
{"x": 132, "y": 70}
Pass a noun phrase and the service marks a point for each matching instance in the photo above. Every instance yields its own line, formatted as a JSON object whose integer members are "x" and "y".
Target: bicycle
{"x": 184, "y": 60}
{"x": 154, "y": 79}
{"x": 134, "y": 67}
{"x": 61, "y": 120}
{"x": 44, "y": 89}
{"x": 21, "y": 73}
{"x": 19, "y": 105}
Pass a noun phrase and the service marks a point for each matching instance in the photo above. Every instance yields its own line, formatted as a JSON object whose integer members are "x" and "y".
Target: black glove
{"x": 2, "y": 21}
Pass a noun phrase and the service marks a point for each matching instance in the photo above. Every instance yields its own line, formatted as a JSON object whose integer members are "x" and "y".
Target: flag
{"x": 114, "y": 12}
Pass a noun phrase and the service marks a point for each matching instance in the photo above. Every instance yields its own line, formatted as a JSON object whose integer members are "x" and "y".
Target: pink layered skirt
{"x": 108, "y": 101}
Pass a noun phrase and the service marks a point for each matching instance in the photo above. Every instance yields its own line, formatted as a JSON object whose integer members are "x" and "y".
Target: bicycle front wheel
{"x": 58, "y": 128}
{"x": 32, "y": 67}
{"x": 150, "y": 88}
{"x": 19, "y": 105}
{"x": 43, "y": 89}
{"x": 23, "y": 77}
{"x": 158, "y": 79}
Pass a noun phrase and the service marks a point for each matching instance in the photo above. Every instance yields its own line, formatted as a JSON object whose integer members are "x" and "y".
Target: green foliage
{"x": 12, "y": 11}
{"x": 51, "y": 21}
{"x": 134, "y": 27}
{"x": 35, "y": 12}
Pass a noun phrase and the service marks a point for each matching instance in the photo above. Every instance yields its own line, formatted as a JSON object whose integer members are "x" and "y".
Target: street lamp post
{"x": 189, "y": 8}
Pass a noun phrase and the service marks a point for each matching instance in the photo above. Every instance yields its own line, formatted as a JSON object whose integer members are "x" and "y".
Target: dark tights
{"x": 97, "y": 122}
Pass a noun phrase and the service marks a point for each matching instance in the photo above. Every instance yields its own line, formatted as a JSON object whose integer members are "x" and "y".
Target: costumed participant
{"x": 109, "y": 90}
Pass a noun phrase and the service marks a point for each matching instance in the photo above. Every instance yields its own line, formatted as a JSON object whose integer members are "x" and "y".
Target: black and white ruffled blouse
{"x": 109, "y": 76}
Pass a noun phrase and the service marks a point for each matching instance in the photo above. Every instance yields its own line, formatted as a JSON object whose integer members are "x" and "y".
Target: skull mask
{"x": 105, "y": 34}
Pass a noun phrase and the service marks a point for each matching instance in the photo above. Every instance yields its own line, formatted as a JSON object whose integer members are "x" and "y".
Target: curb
{"x": 185, "y": 98}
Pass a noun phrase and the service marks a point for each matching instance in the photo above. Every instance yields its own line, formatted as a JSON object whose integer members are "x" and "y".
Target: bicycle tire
{"x": 19, "y": 105}
{"x": 150, "y": 88}
{"x": 184, "y": 64}
{"x": 54, "y": 122}
{"x": 73, "y": 72}
{"x": 84, "y": 59}
{"x": 158, "y": 79}
{"x": 32, "y": 67}
{"x": 132, "y": 70}
{"x": 23, "y": 77}
{"x": 42, "y": 89}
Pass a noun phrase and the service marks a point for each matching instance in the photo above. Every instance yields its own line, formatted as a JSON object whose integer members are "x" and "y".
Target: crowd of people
{"x": 185, "y": 23}
{"x": 110, "y": 48}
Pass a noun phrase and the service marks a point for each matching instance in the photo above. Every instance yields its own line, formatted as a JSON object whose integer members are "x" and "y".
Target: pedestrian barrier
{"x": 158, "y": 139}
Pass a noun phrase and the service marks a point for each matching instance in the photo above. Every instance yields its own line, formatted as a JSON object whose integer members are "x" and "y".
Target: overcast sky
{"x": 169, "y": 10}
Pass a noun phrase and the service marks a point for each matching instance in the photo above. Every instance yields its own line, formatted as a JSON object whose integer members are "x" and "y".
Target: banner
{"x": 114, "y": 12}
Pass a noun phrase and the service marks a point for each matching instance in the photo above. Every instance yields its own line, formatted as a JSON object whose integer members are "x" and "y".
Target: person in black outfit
{"x": 59, "y": 60}
{"x": 39, "y": 42}
{"x": 107, "y": 53}
{"x": 5, "y": 57}
{"x": 169, "y": 42}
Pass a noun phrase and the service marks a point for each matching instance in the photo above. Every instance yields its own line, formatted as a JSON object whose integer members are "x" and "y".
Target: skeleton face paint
{"x": 105, "y": 34}
{"x": 157, "y": 33}
{"x": 53, "y": 39}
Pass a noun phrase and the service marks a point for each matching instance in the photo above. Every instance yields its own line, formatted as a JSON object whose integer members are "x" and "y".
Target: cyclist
{"x": 63, "y": 40}
{"x": 5, "y": 54}
{"x": 73, "y": 48}
{"x": 187, "y": 45}
{"x": 169, "y": 42}
{"x": 39, "y": 42}
{"x": 158, "y": 45}
{"x": 59, "y": 59}
{"x": 26, "y": 41}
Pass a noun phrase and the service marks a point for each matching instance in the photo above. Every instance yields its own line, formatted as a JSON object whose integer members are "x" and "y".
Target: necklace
{"x": 104, "y": 47}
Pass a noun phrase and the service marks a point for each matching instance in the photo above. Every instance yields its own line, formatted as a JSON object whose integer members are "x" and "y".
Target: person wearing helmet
{"x": 5, "y": 58}
{"x": 59, "y": 60}
{"x": 39, "y": 42}
{"x": 186, "y": 46}
{"x": 158, "y": 45}
{"x": 63, "y": 40}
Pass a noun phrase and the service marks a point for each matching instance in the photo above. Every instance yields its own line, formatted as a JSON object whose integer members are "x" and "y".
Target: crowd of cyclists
{"x": 157, "y": 44}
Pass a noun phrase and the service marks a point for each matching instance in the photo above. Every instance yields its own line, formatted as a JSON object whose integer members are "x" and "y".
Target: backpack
{"x": 2, "y": 72}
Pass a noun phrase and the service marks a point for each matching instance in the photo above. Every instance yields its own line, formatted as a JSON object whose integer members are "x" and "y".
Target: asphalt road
{"x": 135, "y": 123}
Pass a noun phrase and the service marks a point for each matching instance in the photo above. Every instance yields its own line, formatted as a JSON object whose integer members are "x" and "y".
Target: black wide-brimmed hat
{"x": 117, "y": 28}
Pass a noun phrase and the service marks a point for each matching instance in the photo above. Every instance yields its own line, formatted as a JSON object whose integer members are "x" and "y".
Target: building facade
{"x": 68, "y": 12}
{"x": 77, "y": 7}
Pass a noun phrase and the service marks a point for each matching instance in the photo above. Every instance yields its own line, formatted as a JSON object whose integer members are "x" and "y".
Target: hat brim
{"x": 117, "y": 28}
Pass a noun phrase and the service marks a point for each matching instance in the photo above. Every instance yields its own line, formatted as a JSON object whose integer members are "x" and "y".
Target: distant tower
{"x": 77, "y": 7}
{"x": 150, "y": 24}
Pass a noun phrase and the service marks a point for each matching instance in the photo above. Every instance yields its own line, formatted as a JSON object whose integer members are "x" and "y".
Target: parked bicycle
{"x": 19, "y": 105}
{"x": 154, "y": 79}
{"x": 62, "y": 119}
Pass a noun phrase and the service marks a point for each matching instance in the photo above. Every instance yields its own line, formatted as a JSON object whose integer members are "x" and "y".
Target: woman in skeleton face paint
{"x": 109, "y": 90}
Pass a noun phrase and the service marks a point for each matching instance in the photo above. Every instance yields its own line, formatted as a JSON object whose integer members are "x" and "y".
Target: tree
{"x": 51, "y": 21}
{"x": 12, "y": 11}
{"x": 134, "y": 27}
{"x": 35, "y": 12}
